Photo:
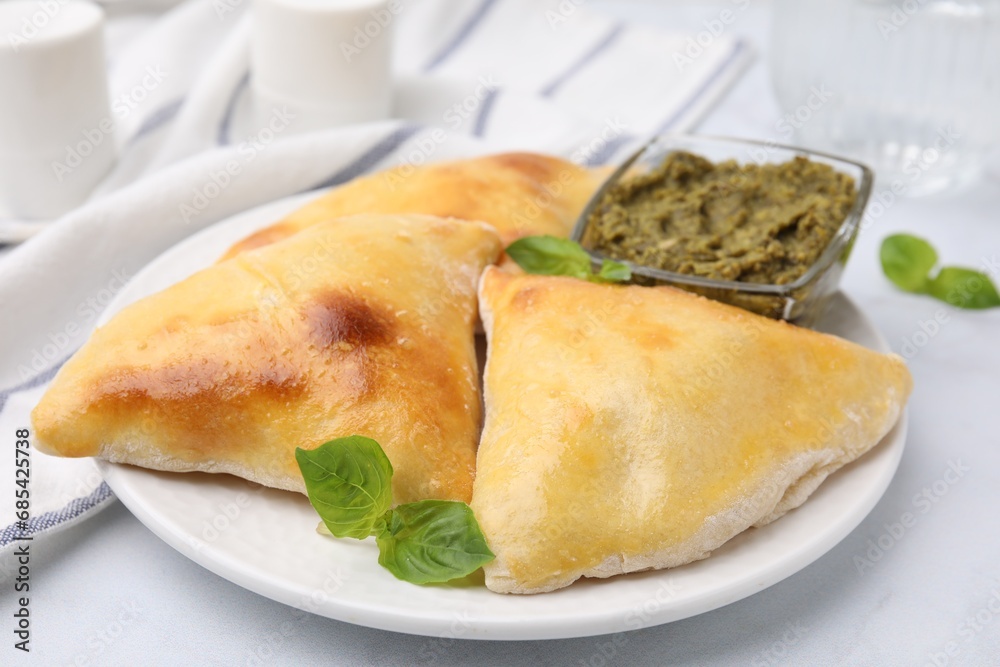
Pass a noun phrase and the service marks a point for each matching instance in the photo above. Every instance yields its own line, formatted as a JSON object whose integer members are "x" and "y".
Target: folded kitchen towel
{"x": 470, "y": 77}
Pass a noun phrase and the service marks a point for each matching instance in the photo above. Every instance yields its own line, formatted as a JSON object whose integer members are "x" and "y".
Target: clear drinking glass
{"x": 910, "y": 87}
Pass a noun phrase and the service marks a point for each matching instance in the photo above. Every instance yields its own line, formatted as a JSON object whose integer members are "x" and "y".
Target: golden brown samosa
{"x": 360, "y": 326}
{"x": 630, "y": 428}
{"x": 519, "y": 194}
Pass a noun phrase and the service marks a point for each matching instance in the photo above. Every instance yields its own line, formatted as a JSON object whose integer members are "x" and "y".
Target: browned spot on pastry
{"x": 525, "y": 298}
{"x": 197, "y": 406}
{"x": 197, "y": 380}
{"x": 538, "y": 168}
{"x": 341, "y": 320}
{"x": 264, "y": 237}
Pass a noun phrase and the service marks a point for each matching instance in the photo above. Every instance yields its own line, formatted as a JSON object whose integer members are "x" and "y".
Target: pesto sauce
{"x": 750, "y": 223}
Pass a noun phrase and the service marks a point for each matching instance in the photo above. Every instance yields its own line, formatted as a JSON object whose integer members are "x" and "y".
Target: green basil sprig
{"x": 349, "y": 483}
{"x": 908, "y": 261}
{"x": 553, "y": 256}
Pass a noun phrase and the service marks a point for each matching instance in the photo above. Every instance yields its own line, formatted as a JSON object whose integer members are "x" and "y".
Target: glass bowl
{"x": 801, "y": 301}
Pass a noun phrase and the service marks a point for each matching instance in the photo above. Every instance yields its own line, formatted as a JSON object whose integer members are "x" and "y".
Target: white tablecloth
{"x": 108, "y": 592}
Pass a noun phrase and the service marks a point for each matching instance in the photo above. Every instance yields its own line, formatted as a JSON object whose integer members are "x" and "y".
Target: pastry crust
{"x": 631, "y": 428}
{"x": 519, "y": 194}
{"x": 362, "y": 326}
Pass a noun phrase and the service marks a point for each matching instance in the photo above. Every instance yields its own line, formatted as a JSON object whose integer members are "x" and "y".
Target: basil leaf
{"x": 907, "y": 261}
{"x": 348, "y": 481}
{"x": 613, "y": 272}
{"x": 349, "y": 484}
{"x": 550, "y": 256}
{"x": 553, "y": 256}
{"x": 964, "y": 288}
{"x": 432, "y": 541}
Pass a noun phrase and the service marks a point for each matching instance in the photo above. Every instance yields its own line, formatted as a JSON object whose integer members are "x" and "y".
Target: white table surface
{"x": 108, "y": 592}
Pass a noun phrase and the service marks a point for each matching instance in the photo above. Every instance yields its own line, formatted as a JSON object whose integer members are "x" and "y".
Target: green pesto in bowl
{"x": 764, "y": 224}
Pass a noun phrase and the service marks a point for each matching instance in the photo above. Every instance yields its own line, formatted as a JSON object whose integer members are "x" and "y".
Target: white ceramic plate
{"x": 265, "y": 540}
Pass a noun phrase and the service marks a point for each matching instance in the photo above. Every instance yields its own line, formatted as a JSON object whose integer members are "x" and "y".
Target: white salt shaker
{"x": 325, "y": 62}
{"x": 56, "y": 128}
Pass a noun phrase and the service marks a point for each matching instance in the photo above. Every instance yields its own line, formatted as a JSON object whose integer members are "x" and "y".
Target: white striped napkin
{"x": 494, "y": 74}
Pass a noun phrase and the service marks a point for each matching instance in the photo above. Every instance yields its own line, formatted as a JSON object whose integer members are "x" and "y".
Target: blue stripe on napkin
{"x": 35, "y": 381}
{"x": 735, "y": 52}
{"x": 609, "y": 38}
{"x": 463, "y": 33}
{"x": 72, "y": 510}
{"x": 227, "y": 118}
{"x": 158, "y": 118}
{"x": 608, "y": 150}
{"x": 367, "y": 160}
{"x": 479, "y": 129}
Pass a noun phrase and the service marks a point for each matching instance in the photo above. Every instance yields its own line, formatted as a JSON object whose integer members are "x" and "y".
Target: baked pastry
{"x": 359, "y": 326}
{"x": 630, "y": 428}
{"x": 519, "y": 194}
